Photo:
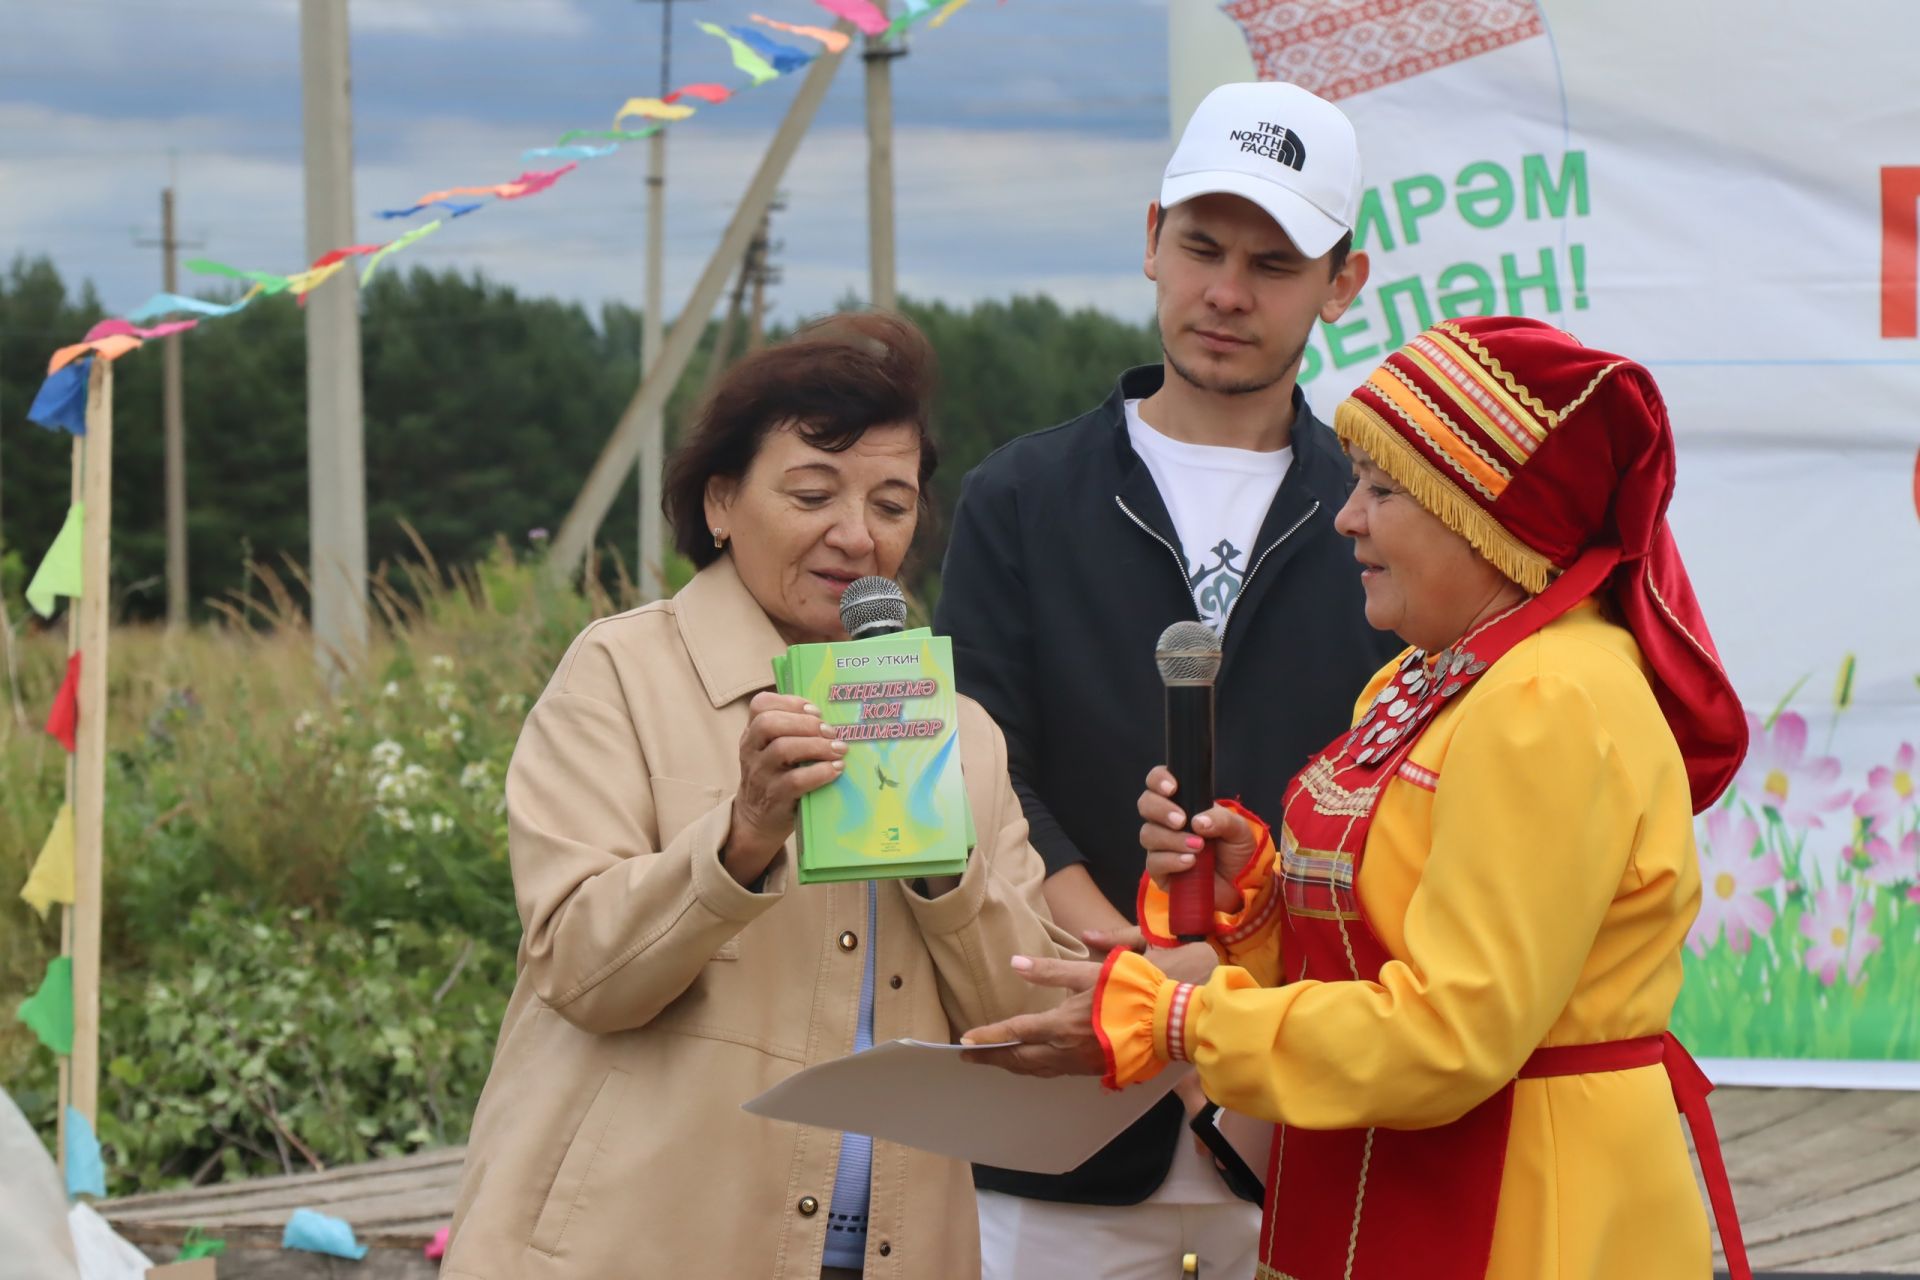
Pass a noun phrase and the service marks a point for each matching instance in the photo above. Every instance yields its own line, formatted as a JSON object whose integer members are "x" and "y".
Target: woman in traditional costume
{"x": 1449, "y": 964}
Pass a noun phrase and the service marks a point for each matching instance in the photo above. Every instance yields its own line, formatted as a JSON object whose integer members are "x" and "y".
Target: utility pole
{"x": 760, "y": 255}
{"x": 173, "y": 418}
{"x": 650, "y": 573}
{"x": 604, "y": 482}
{"x": 879, "y": 55}
{"x": 336, "y": 458}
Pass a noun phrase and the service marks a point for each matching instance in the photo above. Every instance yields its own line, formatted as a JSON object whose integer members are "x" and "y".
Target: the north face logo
{"x": 1276, "y": 142}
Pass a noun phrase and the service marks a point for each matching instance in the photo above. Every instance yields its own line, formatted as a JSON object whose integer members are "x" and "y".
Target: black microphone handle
{"x": 1190, "y": 758}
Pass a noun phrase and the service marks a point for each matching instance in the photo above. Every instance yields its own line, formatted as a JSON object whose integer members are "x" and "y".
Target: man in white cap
{"x": 1202, "y": 488}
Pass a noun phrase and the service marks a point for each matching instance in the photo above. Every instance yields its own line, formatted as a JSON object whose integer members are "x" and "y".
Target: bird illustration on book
{"x": 883, "y": 780}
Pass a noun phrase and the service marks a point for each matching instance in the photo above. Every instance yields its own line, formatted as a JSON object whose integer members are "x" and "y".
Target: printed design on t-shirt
{"x": 1216, "y": 586}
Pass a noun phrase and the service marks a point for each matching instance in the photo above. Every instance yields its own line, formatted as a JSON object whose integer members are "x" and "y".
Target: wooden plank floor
{"x": 1828, "y": 1183}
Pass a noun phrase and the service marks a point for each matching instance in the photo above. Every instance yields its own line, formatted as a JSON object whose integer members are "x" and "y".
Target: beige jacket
{"x": 656, "y": 994}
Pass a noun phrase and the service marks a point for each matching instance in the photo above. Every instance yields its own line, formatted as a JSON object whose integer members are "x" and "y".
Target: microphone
{"x": 873, "y": 606}
{"x": 1188, "y": 655}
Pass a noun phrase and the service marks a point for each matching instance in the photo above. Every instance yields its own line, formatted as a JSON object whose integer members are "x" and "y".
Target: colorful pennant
{"x": 714, "y": 93}
{"x": 111, "y": 347}
{"x": 783, "y": 58}
{"x": 51, "y": 879}
{"x": 836, "y": 41}
{"x": 86, "y": 1176}
{"x": 61, "y": 402}
{"x": 59, "y": 571}
{"x": 651, "y": 109}
{"x": 860, "y": 13}
{"x": 63, "y": 721}
{"x": 49, "y": 1010}
{"x": 743, "y": 55}
{"x": 417, "y": 233}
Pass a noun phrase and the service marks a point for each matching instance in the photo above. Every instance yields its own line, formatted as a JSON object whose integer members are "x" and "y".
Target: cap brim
{"x": 1312, "y": 231}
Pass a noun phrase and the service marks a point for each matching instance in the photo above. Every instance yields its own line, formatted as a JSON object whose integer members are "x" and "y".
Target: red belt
{"x": 1690, "y": 1089}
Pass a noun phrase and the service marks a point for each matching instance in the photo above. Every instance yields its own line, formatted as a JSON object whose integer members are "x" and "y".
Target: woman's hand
{"x": 1171, "y": 846}
{"x": 1059, "y": 1042}
{"x": 785, "y": 752}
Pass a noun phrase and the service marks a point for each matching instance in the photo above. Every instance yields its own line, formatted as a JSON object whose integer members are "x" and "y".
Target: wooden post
{"x": 879, "y": 56}
{"x": 77, "y": 469}
{"x": 90, "y": 755}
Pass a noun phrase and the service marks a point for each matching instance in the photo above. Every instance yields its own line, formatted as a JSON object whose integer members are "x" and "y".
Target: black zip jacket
{"x": 1062, "y": 571}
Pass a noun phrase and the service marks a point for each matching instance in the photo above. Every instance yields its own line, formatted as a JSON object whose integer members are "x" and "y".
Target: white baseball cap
{"x": 1291, "y": 153}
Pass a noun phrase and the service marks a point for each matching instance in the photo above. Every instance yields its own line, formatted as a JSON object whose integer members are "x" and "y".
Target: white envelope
{"x": 922, "y": 1095}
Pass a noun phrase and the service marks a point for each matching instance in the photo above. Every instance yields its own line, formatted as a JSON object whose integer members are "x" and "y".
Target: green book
{"x": 900, "y": 809}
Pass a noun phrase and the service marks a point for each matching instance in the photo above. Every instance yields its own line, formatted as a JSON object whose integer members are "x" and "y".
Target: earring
{"x": 719, "y": 536}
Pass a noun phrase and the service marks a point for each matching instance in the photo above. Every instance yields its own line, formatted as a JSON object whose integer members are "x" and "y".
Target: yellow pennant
{"x": 652, "y": 109}
{"x": 51, "y": 880}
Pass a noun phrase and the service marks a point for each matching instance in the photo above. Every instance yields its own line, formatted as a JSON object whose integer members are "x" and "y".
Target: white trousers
{"x": 1039, "y": 1240}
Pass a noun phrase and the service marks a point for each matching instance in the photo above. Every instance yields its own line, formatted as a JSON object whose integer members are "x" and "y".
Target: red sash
{"x": 1365, "y": 1204}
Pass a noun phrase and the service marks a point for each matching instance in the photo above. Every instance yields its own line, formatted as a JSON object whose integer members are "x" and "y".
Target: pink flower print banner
{"x": 1337, "y": 48}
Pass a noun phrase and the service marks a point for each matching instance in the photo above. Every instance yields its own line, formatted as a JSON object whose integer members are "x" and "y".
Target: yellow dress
{"x": 1533, "y": 876}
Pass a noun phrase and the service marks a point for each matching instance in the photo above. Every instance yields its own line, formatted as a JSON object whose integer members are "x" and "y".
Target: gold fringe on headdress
{"x": 1359, "y": 425}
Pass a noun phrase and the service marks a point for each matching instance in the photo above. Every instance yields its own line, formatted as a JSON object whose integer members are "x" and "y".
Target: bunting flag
{"x": 111, "y": 347}
{"x": 301, "y": 283}
{"x": 161, "y": 304}
{"x": 567, "y": 153}
{"x": 111, "y": 328}
{"x": 836, "y": 41}
{"x": 320, "y": 1233}
{"x": 713, "y": 93}
{"x": 743, "y": 55}
{"x": 59, "y": 571}
{"x": 51, "y": 879}
{"x": 61, "y": 402}
{"x": 783, "y": 58}
{"x": 610, "y": 135}
{"x": 912, "y": 12}
{"x": 457, "y": 209}
{"x": 426, "y": 229}
{"x": 651, "y": 109}
{"x": 49, "y": 1011}
{"x": 86, "y": 1175}
{"x": 63, "y": 721}
{"x": 266, "y": 280}
{"x": 860, "y": 13}
{"x": 947, "y": 10}
{"x": 761, "y": 57}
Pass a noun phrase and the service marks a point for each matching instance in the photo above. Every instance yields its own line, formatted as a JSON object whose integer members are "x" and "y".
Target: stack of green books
{"x": 900, "y": 809}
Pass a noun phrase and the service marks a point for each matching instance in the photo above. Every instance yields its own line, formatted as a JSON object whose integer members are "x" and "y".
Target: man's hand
{"x": 1059, "y": 1042}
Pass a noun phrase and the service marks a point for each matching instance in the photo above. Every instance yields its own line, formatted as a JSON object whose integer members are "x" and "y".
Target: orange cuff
{"x": 1134, "y": 1005}
{"x": 1259, "y": 897}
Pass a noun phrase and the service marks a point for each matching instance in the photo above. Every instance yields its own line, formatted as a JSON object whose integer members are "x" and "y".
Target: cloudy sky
{"x": 1030, "y": 136}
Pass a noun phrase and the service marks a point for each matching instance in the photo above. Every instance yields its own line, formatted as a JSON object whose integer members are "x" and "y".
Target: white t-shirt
{"x": 1218, "y": 498}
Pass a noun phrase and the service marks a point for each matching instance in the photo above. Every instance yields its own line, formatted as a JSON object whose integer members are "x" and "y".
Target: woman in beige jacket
{"x": 671, "y": 968}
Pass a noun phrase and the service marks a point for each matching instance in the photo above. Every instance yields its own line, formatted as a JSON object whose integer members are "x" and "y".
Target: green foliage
{"x": 280, "y": 1043}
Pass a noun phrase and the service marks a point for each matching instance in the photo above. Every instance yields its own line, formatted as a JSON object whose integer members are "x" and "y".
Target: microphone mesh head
{"x": 873, "y": 606}
{"x": 1187, "y": 653}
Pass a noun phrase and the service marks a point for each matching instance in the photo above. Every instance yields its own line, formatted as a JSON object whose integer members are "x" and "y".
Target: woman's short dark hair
{"x": 834, "y": 380}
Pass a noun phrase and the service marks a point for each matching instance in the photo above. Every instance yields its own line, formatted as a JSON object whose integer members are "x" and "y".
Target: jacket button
{"x": 848, "y": 941}
{"x": 894, "y": 982}
{"x": 885, "y": 1248}
{"x": 808, "y": 1206}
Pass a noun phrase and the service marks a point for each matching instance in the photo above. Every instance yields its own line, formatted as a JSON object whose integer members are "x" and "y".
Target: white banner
{"x": 1728, "y": 194}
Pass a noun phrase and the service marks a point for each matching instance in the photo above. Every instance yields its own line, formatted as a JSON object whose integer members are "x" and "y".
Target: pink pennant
{"x": 533, "y": 183}
{"x": 117, "y": 327}
{"x": 860, "y": 13}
